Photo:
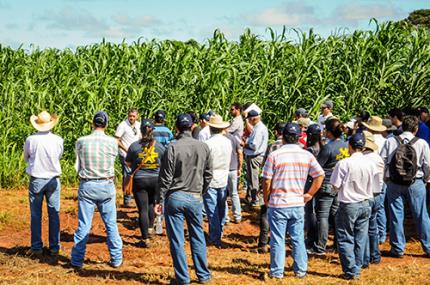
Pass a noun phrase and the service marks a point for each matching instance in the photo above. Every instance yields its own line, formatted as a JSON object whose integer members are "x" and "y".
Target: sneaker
{"x": 394, "y": 255}
{"x": 350, "y": 277}
{"x": 115, "y": 265}
{"x": 75, "y": 267}
{"x": 237, "y": 221}
{"x": 176, "y": 282}
{"x": 145, "y": 243}
{"x": 205, "y": 281}
{"x": 300, "y": 274}
{"x": 34, "y": 252}
{"x": 275, "y": 277}
{"x": 313, "y": 252}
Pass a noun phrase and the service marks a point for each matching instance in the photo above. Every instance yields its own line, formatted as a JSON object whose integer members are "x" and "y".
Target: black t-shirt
{"x": 330, "y": 154}
{"x": 146, "y": 155}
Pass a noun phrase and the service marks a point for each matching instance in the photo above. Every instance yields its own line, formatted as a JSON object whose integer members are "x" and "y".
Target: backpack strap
{"x": 399, "y": 140}
{"x": 414, "y": 140}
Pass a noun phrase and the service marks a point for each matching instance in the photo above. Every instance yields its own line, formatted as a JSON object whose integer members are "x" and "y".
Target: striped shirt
{"x": 163, "y": 135}
{"x": 95, "y": 156}
{"x": 288, "y": 168}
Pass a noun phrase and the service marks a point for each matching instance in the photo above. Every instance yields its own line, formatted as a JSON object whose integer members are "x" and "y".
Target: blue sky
{"x": 69, "y": 23}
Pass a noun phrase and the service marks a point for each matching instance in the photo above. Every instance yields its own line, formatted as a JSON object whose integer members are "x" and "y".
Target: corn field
{"x": 374, "y": 71}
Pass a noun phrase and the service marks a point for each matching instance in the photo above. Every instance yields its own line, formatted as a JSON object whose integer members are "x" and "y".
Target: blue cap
{"x": 292, "y": 129}
{"x": 160, "y": 116}
{"x": 211, "y": 113}
{"x": 357, "y": 140}
{"x": 101, "y": 119}
{"x": 147, "y": 123}
{"x": 252, "y": 114}
{"x": 313, "y": 129}
{"x": 184, "y": 121}
{"x": 205, "y": 116}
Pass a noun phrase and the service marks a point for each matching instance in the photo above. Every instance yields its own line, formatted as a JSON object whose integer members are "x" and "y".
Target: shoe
{"x": 350, "y": 277}
{"x": 427, "y": 255}
{"x": 34, "y": 252}
{"x": 176, "y": 282}
{"x": 237, "y": 221}
{"x": 275, "y": 277}
{"x": 263, "y": 249}
{"x": 300, "y": 274}
{"x": 313, "y": 252}
{"x": 394, "y": 255}
{"x": 115, "y": 265}
{"x": 144, "y": 243}
{"x": 55, "y": 253}
{"x": 206, "y": 280}
{"x": 76, "y": 267}
{"x": 151, "y": 231}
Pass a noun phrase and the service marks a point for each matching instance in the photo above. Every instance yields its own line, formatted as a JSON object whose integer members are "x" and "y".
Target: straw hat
{"x": 44, "y": 121}
{"x": 370, "y": 141}
{"x": 304, "y": 122}
{"x": 217, "y": 122}
{"x": 375, "y": 124}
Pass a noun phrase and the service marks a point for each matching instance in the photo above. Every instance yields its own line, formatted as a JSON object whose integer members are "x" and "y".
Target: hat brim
{"x": 375, "y": 128}
{"x": 222, "y": 125}
{"x": 371, "y": 145}
{"x": 45, "y": 126}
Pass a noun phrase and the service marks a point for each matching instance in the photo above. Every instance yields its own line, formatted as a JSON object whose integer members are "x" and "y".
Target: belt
{"x": 377, "y": 194}
{"x": 97, "y": 179}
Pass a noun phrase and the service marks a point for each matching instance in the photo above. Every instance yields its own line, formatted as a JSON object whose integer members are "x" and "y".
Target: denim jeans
{"x": 372, "y": 253}
{"x": 214, "y": 201}
{"x": 326, "y": 205}
{"x": 415, "y": 194}
{"x": 381, "y": 216}
{"x": 352, "y": 230}
{"x": 125, "y": 170}
{"x": 292, "y": 221}
{"x": 234, "y": 195}
{"x": 100, "y": 194}
{"x": 38, "y": 189}
{"x": 310, "y": 223}
{"x": 180, "y": 206}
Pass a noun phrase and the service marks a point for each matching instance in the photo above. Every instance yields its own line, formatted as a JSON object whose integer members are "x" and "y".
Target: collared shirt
{"x": 422, "y": 150}
{"x": 353, "y": 177}
{"x": 220, "y": 148}
{"x": 42, "y": 152}
{"x": 330, "y": 154}
{"x": 236, "y": 127}
{"x": 322, "y": 119}
{"x": 128, "y": 134}
{"x": 288, "y": 168}
{"x": 186, "y": 166}
{"x": 380, "y": 141}
{"x": 204, "y": 134}
{"x": 378, "y": 179}
{"x": 95, "y": 156}
{"x": 236, "y": 149}
{"x": 163, "y": 135}
{"x": 257, "y": 142}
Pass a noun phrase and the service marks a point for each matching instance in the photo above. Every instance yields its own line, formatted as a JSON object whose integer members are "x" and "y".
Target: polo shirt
{"x": 378, "y": 180}
{"x": 163, "y": 134}
{"x": 256, "y": 144}
{"x": 220, "y": 149}
{"x": 128, "y": 134}
{"x": 204, "y": 134}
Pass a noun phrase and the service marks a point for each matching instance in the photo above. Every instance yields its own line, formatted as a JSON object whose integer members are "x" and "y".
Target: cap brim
{"x": 46, "y": 126}
{"x": 375, "y": 128}
{"x": 223, "y": 125}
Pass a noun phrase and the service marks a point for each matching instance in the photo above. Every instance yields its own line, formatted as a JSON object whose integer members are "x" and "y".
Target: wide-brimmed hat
{"x": 370, "y": 141}
{"x": 44, "y": 121}
{"x": 304, "y": 122}
{"x": 217, "y": 122}
{"x": 375, "y": 124}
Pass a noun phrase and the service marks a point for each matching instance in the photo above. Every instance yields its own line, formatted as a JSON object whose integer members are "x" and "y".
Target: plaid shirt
{"x": 95, "y": 156}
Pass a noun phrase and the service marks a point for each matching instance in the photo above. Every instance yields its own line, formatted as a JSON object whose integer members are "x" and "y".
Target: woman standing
{"x": 144, "y": 158}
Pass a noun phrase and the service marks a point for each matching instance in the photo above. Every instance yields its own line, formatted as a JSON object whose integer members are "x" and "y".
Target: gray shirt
{"x": 236, "y": 127}
{"x": 256, "y": 144}
{"x": 186, "y": 166}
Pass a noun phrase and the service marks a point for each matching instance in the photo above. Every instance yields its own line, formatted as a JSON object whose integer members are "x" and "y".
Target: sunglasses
{"x": 134, "y": 130}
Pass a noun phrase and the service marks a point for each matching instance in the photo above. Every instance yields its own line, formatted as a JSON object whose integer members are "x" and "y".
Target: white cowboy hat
{"x": 217, "y": 122}
{"x": 44, "y": 121}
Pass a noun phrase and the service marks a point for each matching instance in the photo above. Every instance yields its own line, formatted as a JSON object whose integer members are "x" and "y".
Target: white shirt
{"x": 204, "y": 134}
{"x": 322, "y": 119}
{"x": 128, "y": 134}
{"x": 380, "y": 141}
{"x": 378, "y": 180}
{"x": 220, "y": 148}
{"x": 42, "y": 152}
{"x": 353, "y": 177}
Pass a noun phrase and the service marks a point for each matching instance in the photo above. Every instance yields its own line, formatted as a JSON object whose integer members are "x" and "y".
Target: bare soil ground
{"x": 236, "y": 264}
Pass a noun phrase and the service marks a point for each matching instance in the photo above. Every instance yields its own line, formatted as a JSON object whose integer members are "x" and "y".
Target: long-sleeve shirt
{"x": 186, "y": 166}
{"x": 42, "y": 152}
{"x": 221, "y": 150}
{"x": 257, "y": 142}
{"x": 236, "y": 127}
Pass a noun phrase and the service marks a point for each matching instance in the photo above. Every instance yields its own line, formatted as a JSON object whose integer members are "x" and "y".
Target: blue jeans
{"x": 49, "y": 188}
{"x": 214, "y": 201}
{"x": 234, "y": 195}
{"x": 415, "y": 194}
{"x": 372, "y": 253}
{"x": 180, "y": 206}
{"x": 352, "y": 230}
{"x": 291, "y": 220}
{"x": 381, "y": 217}
{"x": 100, "y": 194}
{"x": 326, "y": 205}
{"x": 125, "y": 170}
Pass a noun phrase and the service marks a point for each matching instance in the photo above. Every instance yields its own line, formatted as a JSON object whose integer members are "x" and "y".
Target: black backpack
{"x": 403, "y": 166}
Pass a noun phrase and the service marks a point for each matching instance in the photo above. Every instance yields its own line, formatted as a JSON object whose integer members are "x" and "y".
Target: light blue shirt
{"x": 257, "y": 142}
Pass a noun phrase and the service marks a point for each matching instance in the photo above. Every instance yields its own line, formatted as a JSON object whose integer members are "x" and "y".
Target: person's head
{"x": 217, "y": 125}
{"x": 147, "y": 128}
{"x": 313, "y": 135}
{"x": 279, "y": 127}
{"x": 370, "y": 144}
{"x": 424, "y": 114}
{"x": 396, "y": 116}
{"x": 334, "y": 128}
{"x": 301, "y": 113}
{"x": 160, "y": 117}
{"x": 133, "y": 115}
{"x": 374, "y": 125}
{"x": 194, "y": 117}
{"x": 326, "y": 107}
{"x": 303, "y": 123}
{"x": 253, "y": 117}
{"x": 410, "y": 124}
{"x": 356, "y": 143}
{"x": 389, "y": 125}
{"x": 363, "y": 116}
{"x": 100, "y": 120}
{"x": 291, "y": 133}
{"x": 235, "y": 109}
{"x": 204, "y": 119}
{"x": 349, "y": 128}
{"x": 183, "y": 123}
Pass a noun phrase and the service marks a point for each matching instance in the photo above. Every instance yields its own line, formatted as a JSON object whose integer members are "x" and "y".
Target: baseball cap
{"x": 292, "y": 129}
{"x": 160, "y": 115}
{"x": 252, "y": 114}
{"x": 184, "y": 121}
{"x": 423, "y": 110}
{"x": 357, "y": 140}
{"x": 327, "y": 104}
{"x": 205, "y": 116}
{"x": 313, "y": 129}
{"x": 101, "y": 119}
{"x": 301, "y": 112}
{"x": 147, "y": 123}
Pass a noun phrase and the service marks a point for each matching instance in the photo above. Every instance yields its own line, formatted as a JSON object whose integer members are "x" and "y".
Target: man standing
{"x": 95, "y": 161}
{"x": 128, "y": 132}
{"x": 204, "y": 133}
{"x": 185, "y": 174}
{"x": 284, "y": 177}
{"x": 413, "y": 190}
{"x": 233, "y": 175}
{"x": 396, "y": 116}
{"x": 42, "y": 152}
{"x": 353, "y": 178}
{"x": 254, "y": 150}
{"x": 424, "y": 116}
{"x": 215, "y": 198}
{"x": 326, "y": 109}
{"x": 162, "y": 134}
{"x": 236, "y": 127}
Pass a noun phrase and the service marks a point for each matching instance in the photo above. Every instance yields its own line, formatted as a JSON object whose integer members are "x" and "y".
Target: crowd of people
{"x": 350, "y": 178}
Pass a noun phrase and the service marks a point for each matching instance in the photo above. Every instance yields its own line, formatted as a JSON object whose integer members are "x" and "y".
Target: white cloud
{"x": 353, "y": 13}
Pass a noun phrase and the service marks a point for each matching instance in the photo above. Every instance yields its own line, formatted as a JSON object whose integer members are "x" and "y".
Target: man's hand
{"x": 158, "y": 209}
{"x": 239, "y": 172}
{"x": 307, "y": 197}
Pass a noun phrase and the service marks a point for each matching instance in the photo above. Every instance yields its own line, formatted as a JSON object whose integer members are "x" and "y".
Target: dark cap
{"x": 205, "y": 117}
{"x": 211, "y": 113}
{"x": 292, "y": 129}
{"x": 357, "y": 140}
{"x": 327, "y": 104}
{"x": 101, "y": 119}
{"x": 279, "y": 127}
{"x": 313, "y": 129}
{"x": 388, "y": 124}
{"x": 184, "y": 121}
{"x": 146, "y": 123}
{"x": 423, "y": 110}
{"x": 301, "y": 112}
{"x": 160, "y": 116}
{"x": 252, "y": 114}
